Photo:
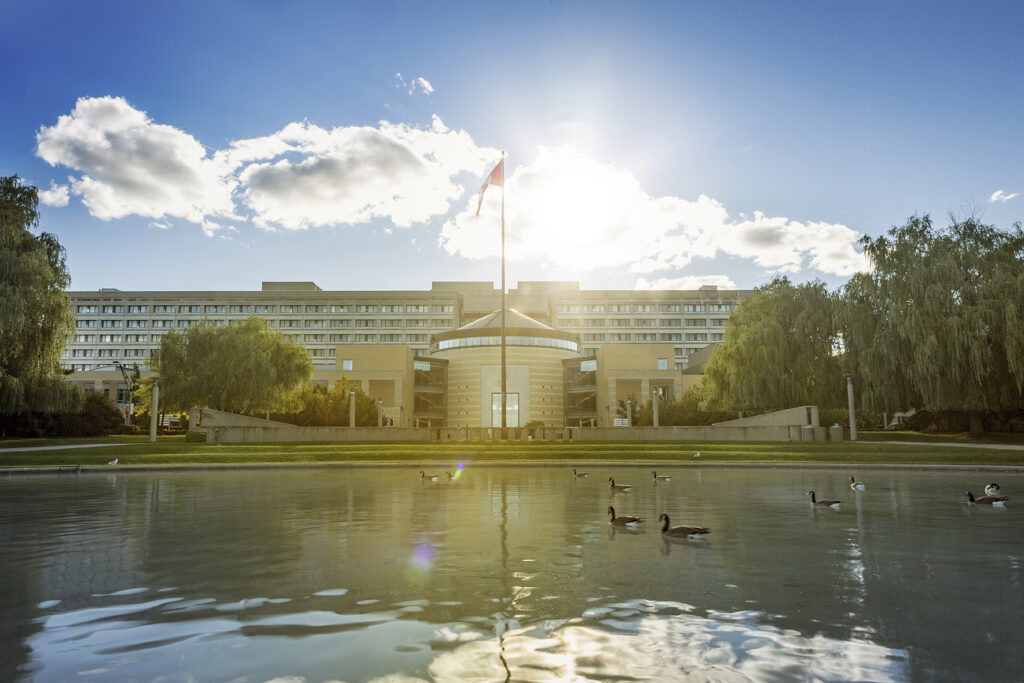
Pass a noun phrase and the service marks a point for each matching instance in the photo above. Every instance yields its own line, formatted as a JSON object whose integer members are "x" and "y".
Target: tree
{"x": 320, "y": 406}
{"x": 939, "y": 323}
{"x": 779, "y": 351}
{"x": 242, "y": 368}
{"x": 35, "y": 312}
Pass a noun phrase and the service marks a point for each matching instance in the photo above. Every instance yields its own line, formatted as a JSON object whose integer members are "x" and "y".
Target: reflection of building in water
{"x": 432, "y": 357}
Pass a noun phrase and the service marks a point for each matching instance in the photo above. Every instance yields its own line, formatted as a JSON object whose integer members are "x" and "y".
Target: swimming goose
{"x": 624, "y": 520}
{"x": 450, "y": 475}
{"x": 826, "y": 503}
{"x": 856, "y": 485}
{"x": 619, "y": 487}
{"x": 428, "y": 477}
{"x": 992, "y": 489}
{"x": 986, "y": 500}
{"x": 580, "y": 475}
{"x": 663, "y": 477}
{"x": 682, "y": 531}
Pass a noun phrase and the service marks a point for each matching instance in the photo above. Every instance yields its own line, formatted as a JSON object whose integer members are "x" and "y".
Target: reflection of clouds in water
{"x": 632, "y": 640}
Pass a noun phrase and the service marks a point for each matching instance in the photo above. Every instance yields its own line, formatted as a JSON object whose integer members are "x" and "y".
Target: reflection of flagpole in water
{"x": 501, "y": 626}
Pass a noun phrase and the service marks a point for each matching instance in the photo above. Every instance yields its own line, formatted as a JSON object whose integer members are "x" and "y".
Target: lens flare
{"x": 423, "y": 557}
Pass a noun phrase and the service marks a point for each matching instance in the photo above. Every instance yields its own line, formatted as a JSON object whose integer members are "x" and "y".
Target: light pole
{"x": 849, "y": 400}
{"x": 351, "y": 408}
{"x": 154, "y": 410}
{"x": 629, "y": 412}
{"x": 655, "y": 395}
{"x": 380, "y": 413}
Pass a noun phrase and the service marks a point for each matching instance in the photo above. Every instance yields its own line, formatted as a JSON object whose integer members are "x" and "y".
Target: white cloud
{"x": 569, "y": 210}
{"x": 131, "y": 165}
{"x": 57, "y": 195}
{"x": 355, "y": 174}
{"x": 686, "y": 282}
{"x": 418, "y": 83}
{"x": 162, "y": 225}
{"x": 1000, "y": 196}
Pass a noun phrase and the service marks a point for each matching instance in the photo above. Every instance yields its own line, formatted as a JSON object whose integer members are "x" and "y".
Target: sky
{"x": 215, "y": 145}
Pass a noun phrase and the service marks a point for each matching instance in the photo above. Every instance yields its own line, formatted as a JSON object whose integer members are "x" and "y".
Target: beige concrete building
{"x": 432, "y": 358}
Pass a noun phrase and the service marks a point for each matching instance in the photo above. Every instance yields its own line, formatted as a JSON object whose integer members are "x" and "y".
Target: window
{"x": 618, "y": 308}
{"x": 316, "y": 338}
{"x": 663, "y": 363}
{"x": 678, "y": 352}
{"x": 138, "y": 323}
{"x": 390, "y": 308}
{"x": 316, "y": 323}
{"x": 163, "y": 323}
{"x": 85, "y": 338}
{"x": 289, "y": 323}
{"x": 346, "y": 364}
{"x": 366, "y": 308}
{"x": 620, "y": 337}
{"x": 341, "y": 308}
{"x": 391, "y": 323}
{"x": 189, "y": 309}
{"x": 138, "y": 309}
{"x": 645, "y": 322}
{"x": 511, "y": 410}
{"x": 717, "y": 322}
{"x": 263, "y": 308}
{"x": 417, "y": 308}
{"x": 110, "y": 353}
{"x": 442, "y": 308}
{"x": 696, "y": 336}
{"x": 187, "y": 323}
{"x": 441, "y": 323}
{"x": 107, "y": 338}
{"x": 366, "y": 323}
{"x": 593, "y": 337}
{"x": 715, "y": 336}
{"x": 112, "y": 323}
{"x": 669, "y": 308}
{"x": 593, "y": 322}
{"x": 81, "y": 353}
{"x": 135, "y": 353}
{"x": 316, "y": 308}
{"x": 646, "y": 337}
{"x": 341, "y": 338}
{"x": 588, "y": 366}
{"x": 163, "y": 309}
{"x": 569, "y": 322}
{"x": 620, "y": 322}
{"x": 416, "y": 322}
{"x": 88, "y": 309}
{"x": 113, "y": 309}
{"x": 238, "y": 308}
{"x": 366, "y": 338}
{"x": 341, "y": 323}
{"x": 670, "y": 337}
{"x": 671, "y": 322}
{"x": 416, "y": 337}
{"x": 215, "y": 308}
{"x": 643, "y": 308}
{"x": 696, "y": 322}
{"x": 693, "y": 308}
{"x": 390, "y": 338}
{"x": 86, "y": 323}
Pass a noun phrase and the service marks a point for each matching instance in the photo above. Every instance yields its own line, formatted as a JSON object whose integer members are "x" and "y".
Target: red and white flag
{"x": 497, "y": 177}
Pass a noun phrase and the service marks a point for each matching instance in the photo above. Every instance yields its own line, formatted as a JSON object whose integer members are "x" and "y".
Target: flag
{"x": 497, "y": 177}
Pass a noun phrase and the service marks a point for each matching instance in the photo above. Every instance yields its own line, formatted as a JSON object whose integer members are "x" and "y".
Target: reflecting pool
{"x": 508, "y": 573}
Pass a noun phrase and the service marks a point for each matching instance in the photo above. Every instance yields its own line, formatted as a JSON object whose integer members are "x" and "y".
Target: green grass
{"x": 172, "y": 450}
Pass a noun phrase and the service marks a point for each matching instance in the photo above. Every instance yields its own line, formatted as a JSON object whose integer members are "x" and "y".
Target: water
{"x": 508, "y": 574}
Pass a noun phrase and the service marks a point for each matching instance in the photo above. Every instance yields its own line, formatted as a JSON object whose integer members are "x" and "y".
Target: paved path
{"x": 59, "y": 448}
{"x": 1000, "y": 446}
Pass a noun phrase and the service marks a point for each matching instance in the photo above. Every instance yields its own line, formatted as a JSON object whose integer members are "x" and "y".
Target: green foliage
{"x": 96, "y": 416}
{"x": 242, "y": 368}
{"x": 320, "y": 406}
{"x": 939, "y": 323}
{"x": 194, "y": 437}
{"x": 686, "y": 411}
{"x": 35, "y": 312}
{"x": 779, "y": 352}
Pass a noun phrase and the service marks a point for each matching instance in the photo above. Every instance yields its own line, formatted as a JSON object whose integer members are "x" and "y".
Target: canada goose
{"x": 625, "y": 520}
{"x": 826, "y": 503}
{"x": 682, "y": 531}
{"x": 986, "y": 500}
{"x": 113, "y": 462}
{"x": 450, "y": 476}
{"x": 619, "y": 487}
{"x": 992, "y": 489}
{"x": 428, "y": 477}
{"x": 663, "y": 477}
{"x": 856, "y": 485}
{"x": 580, "y": 475}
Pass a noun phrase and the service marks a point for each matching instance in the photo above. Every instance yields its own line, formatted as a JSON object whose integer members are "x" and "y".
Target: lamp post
{"x": 154, "y": 410}
{"x": 849, "y": 400}
{"x": 655, "y": 395}
{"x": 380, "y": 413}
{"x": 629, "y": 411}
{"x": 351, "y": 408}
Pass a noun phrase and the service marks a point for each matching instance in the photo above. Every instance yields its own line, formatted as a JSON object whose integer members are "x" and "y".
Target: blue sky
{"x": 205, "y": 145}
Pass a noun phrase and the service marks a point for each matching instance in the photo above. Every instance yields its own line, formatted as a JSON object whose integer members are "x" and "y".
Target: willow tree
{"x": 939, "y": 323}
{"x": 243, "y": 368}
{"x": 35, "y": 312}
{"x": 779, "y": 351}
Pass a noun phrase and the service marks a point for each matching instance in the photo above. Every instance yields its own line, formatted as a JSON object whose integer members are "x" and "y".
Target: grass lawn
{"x": 173, "y": 450}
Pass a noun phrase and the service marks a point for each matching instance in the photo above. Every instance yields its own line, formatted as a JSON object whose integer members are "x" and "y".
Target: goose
{"x": 428, "y": 477}
{"x": 624, "y": 520}
{"x": 450, "y": 476}
{"x": 681, "y": 531}
{"x": 697, "y": 454}
{"x": 826, "y": 503}
{"x": 992, "y": 489}
{"x": 986, "y": 500}
{"x": 856, "y": 485}
{"x": 113, "y": 462}
{"x": 619, "y": 487}
{"x": 580, "y": 475}
{"x": 663, "y": 477}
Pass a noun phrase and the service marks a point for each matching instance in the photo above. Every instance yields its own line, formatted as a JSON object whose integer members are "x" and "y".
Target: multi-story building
{"x": 413, "y": 328}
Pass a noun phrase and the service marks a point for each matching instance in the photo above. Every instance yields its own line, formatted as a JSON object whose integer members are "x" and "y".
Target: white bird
{"x": 697, "y": 454}
{"x": 683, "y": 531}
{"x": 825, "y": 503}
{"x": 428, "y": 477}
{"x": 992, "y": 489}
{"x": 856, "y": 485}
{"x": 619, "y": 487}
{"x": 663, "y": 477}
{"x": 113, "y": 462}
{"x": 624, "y": 520}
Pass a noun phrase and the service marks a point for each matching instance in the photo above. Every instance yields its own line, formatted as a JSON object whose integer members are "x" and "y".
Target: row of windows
{"x": 156, "y": 323}
{"x": 640, "y": 322}
{"x": 512, "y": 341}
{"x": 267, "y": 308}
{"x": 646, "y": 308}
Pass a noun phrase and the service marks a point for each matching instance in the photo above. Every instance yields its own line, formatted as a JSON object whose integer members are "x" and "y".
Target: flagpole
{"x": 504, "y": 423}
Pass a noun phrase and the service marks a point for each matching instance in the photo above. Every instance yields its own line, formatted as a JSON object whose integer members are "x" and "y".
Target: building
{"x": 430, "y": 357}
